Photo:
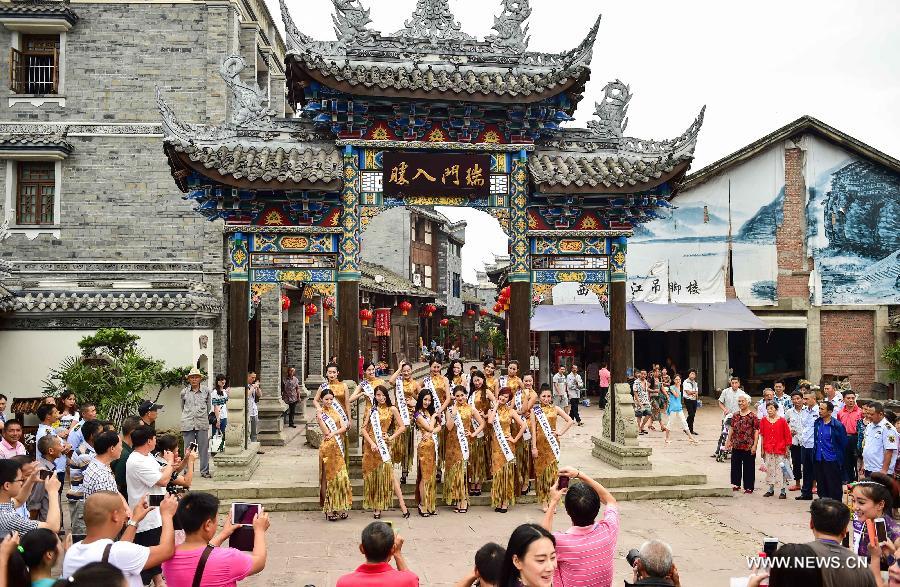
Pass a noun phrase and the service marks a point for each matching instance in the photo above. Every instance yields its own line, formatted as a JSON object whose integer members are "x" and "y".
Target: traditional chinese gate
{"x": 427, "y": 115}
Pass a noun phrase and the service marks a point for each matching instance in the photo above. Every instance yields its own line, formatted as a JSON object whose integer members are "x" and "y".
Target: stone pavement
{"x": 710, "y": 535}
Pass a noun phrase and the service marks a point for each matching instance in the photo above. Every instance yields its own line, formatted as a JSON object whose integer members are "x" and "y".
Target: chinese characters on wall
{"x": 436, "y": 174}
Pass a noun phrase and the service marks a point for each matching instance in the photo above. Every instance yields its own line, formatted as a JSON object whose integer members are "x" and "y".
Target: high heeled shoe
{"x": 406, "y": 514}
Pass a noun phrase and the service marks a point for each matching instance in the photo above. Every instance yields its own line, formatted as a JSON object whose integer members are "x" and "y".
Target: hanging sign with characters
{"x": 436, "y": 174}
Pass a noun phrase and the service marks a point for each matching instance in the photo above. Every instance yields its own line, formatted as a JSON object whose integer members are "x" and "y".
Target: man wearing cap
{"x": 148, "y": 413}
{"x": 195, "y": 409}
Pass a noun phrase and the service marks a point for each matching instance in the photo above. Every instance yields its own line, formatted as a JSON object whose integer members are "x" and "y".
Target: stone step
{"x": 311, "y": 503}
{"x": 248, "y": 491}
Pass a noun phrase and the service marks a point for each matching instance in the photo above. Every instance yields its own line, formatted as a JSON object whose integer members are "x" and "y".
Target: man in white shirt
{"x": 48, "y": 414}
{"x": 144, "y": 476}
{"x": 728, "y": 397}
{"x": 574, "y": 385}
{"x": 105, "y": 515}
{"x": 880, "y": 442}
{"x": 768, "y": 396}
{"x": 794, "y": 417}
{"x": 833, "y": 396}
{"x": 560, "y": 388}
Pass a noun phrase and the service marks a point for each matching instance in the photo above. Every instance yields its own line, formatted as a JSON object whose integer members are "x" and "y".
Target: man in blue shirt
{"x": 830, "y": 443}
{"x": 76, "y": 436}
{"x": 806, "y": 434}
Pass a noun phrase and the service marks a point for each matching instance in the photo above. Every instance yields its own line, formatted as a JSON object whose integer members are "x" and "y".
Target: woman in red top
{"x": 776, "y": 448}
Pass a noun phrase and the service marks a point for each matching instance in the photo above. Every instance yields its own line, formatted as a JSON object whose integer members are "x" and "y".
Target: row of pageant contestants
{"x": 462, "y": 429}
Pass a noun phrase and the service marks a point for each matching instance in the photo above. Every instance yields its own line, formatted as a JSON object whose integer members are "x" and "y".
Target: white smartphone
{"x": 244, "y": 513}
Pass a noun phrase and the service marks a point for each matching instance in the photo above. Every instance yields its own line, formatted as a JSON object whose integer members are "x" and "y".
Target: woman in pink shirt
{"x": 776, "y": 448}
{"x": 605, "y": 377}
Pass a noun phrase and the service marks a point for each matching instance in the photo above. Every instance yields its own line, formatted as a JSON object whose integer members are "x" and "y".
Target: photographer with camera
{"x": 653, "y": 565}
{"x": 584, "y": 552}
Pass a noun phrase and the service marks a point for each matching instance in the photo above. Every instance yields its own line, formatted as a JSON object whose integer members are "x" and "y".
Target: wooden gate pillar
{"x": 348, "y": 330}
{"x": 519, "y": 269}
{"x": 617, "y": 331}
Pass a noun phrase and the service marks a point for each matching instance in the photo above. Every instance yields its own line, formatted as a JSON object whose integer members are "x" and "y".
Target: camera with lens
{"x": 633, "y": 555}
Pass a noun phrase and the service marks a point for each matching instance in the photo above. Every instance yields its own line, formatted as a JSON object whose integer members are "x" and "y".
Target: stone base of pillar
{"x": 236, "y": 430}
{"x": 237, "y": 465}
{"x": 624, "y": 453}
{"x": 271, "y": 425}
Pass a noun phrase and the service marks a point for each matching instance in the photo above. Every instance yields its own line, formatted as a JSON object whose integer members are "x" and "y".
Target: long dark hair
{"x": 449, "y": 374}
{"x": 472, "y": 376}
{"x": 519, "y": 543}
{"x": 387, "y": 396}
{"x": 220, "y": 377}
{"x": 34, "y": 546}
{"x": 420, "y": 402}
{"x": 61, "y": 404}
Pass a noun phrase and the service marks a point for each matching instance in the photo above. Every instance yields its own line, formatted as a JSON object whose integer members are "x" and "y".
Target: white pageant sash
{"x": 541, "y": 418}
{"x": 400, "y": 399}
{"x": 461, "y": 434}
{"x": 366, "y": 388}
{"x": 435, "y": 400}
{"x": 503, "y": 380}
{"x": 501, "y": 440}
{"x": 472, "y": 403}
{"x": 335, "y": 404}
{"x": 379, "y": 435}
{"x": 332, "y": 426}
{"x": 517, "y": 399}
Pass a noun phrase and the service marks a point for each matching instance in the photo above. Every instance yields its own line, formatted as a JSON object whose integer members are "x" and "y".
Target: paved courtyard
{"x": 710, "y": 536}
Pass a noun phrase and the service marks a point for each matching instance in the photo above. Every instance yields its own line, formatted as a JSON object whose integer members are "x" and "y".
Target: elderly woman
{"x": 742, "y": 440}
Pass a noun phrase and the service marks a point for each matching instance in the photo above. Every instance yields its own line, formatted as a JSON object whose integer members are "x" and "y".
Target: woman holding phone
{"x": 545, "y": 435}
{"x": 481, "y": 399}
{"x": 427, "y": 423}
{"x": 335, "y": 495}
{"x": 503, "y": 451}
{"x": 464, "y": 424}
{"x": 378, "y": 471}
{"x": 874, "y": 499}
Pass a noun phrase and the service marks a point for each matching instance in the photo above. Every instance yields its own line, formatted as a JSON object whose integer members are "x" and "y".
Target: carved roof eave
{"x": 184, "y": 302}
{"x": 598, "y": 188}
{"x": 367, "y": 61}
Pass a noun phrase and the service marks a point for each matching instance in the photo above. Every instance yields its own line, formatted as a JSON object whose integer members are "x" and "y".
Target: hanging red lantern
{"x": 365, "y": 315}
{"x": 430, "y": 309}
{"x": 444, "y": 322}
{"x": 470, "y": 313}
{"x": 309, "y": 311}
{"x": 482, "y": 312}
{"x": 506, "y": 292}
{"x": 285, "y": 303}
{"x": 405, "y": 307}
{"x": 498, "y": 307}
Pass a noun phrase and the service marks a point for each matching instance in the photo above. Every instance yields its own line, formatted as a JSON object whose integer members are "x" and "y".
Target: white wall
{"x": 26, "y": 357}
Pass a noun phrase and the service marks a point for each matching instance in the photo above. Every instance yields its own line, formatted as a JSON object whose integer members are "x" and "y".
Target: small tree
{"x": 111, "y": 372}
{"x": 891, "y": 356}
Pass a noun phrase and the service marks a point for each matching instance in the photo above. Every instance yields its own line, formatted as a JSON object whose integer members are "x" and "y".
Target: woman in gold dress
{"x": 546, "y": 465}
{"x": 373, "y": 381}
{"x": 441, "y": 386}
{"x": 403, "y": 448}
{"x": 504, "y": 490}
{"x": 335, "y": 494}
{"x": 523, "y": 400}
{"x": 427, "y": 423}
{"x": 481, "y": 399}
{"x": 455, "y": 488}
{"x": 379, "y": 480}
{"x": 455, "y": 373}
{"x": 341, "y": 398}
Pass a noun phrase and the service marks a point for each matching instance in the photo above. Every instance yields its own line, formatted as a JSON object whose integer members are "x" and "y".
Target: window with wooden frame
{"x": 35, "y": 192}
{"x": 34, "y": 69}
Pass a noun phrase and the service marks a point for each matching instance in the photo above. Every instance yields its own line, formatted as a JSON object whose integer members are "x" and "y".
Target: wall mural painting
{"x": 853, "y": 229}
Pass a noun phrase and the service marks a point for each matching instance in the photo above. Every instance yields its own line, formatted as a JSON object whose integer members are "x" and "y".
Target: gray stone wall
{"x": 385, "y": 241}
{"x": 454, "y": 265}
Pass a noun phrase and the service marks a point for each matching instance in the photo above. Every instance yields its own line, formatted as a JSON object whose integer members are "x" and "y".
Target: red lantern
{"x": 482, "y": 312}
{"x": 285, "y": 303}
{"x": 405, "y": 307}
{"x": 365, "y": 315}
{"x": 498, "y": 307}
{"x": 431, "y": 309}
{"x": 470, "y": 313}
{"x": 310, "y": 311}
{"x": 506, "y": 292}
{"x": 444, "y": 322}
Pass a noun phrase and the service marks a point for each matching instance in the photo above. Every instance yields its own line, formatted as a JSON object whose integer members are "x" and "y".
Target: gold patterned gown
{"x": 455, "y": 487}
{"x": 339, "y": 389}
{"x": 479, "y": 447}
{"x": 503, "y": 489}
{"x": 441, "y": 387}
{"x": 427, "y": 471}
{"x": 546, "y": 468}
{"x": 378, "y": 489}
{"x": 335, "y": 494}
{"x": 403, "y": 449}
{"x": 524, "y": 461}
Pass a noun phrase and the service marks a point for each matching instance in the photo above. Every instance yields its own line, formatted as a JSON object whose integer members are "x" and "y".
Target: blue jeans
{"x": 223, "y": 423}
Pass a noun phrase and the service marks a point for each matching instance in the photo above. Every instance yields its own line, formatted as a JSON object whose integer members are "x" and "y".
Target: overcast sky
{"x": 756, "y": 65}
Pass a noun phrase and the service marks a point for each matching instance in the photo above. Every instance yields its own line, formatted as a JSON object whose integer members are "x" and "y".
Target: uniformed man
{"x": 879, "y": 442}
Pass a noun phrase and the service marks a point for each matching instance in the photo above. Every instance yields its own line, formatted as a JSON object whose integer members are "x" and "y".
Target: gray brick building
{"x": 95, "y": 237}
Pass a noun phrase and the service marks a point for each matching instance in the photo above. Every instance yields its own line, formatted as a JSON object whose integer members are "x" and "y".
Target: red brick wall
{"x": 790, "y": 237}
{"x": 848, "y": 346}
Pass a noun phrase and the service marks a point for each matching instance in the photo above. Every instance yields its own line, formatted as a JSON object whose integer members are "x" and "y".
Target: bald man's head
{"x": 103, "y": 507}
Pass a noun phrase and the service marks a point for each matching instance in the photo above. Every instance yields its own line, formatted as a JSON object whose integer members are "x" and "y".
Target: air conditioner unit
{"x": 417, "y": 279}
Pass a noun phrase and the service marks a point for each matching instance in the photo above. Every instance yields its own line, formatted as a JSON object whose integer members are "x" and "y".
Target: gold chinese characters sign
{"x": 408, "y": 174}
